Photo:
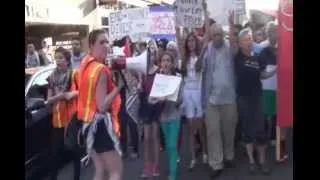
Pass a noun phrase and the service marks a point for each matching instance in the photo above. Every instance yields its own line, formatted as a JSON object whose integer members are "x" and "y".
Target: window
{"x": 41, "y": 79}
{"x": 39, "y": 85}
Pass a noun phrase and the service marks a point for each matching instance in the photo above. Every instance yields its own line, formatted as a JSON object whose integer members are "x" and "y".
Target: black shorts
{"x": 252, "y": 120}
{"x": 102, "y": 140}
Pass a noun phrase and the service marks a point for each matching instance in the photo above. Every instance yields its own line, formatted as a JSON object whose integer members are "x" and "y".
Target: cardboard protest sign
{"x": 133, "y": 22}
{"x": 166, "y": 86}
{"x": 189, "y": 13}
{"x": 239, "y": 11}
{"x": 219, "y": 10}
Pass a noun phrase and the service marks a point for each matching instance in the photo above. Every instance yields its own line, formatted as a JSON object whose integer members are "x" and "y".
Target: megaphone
{"x": 137, "y": 64}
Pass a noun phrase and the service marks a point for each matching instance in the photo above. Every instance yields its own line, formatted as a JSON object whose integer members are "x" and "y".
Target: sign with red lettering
{"x": 162, "y": 22}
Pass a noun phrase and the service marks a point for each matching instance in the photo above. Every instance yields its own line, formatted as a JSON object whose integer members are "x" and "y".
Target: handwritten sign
{"x": 165, "y": 86}
{"x": 189, "y": 13}
{"x": 133, "y": 22}
{"x": 239, "y": 7}
{"x": 239, "y": 11}
{"x": 219, "y": 10}
{"x": 162, "y": 23}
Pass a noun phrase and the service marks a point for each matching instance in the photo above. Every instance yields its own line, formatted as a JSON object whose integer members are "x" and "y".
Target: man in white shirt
{"x": 32, "y": 59}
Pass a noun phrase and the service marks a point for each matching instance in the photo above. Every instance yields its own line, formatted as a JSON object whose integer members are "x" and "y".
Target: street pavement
{"x": 132, "y": 168}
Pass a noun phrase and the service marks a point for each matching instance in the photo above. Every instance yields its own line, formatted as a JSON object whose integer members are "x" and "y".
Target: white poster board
{"x": 189, "y": 13}
{"x": 133, "y": 22}
{"x": 219, "y": 10}
{"x": 162, "y": 22}
{"x": 166, "y": 86}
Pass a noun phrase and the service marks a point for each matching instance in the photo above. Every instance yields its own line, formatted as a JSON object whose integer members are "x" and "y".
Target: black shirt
{"x": 269, "y": 55}
{"x": 248, "y": 71}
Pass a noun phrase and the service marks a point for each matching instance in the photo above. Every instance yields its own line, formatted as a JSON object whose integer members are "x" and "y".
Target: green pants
{"x": 171, "y": 133}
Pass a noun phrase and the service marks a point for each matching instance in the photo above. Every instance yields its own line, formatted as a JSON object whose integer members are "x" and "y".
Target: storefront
{"x": 60, "y": 22}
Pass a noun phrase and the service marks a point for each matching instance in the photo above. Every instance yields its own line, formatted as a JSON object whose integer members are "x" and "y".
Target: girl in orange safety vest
{"x": 97, "y": 97}
{"x": 62, "y": 93}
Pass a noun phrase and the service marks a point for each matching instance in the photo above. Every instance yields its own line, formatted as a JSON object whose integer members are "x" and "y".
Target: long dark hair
{"x": 186, "y": 53}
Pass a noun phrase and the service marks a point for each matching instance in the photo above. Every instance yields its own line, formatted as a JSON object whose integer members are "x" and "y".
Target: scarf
{"x": 60, "y": 80}
{"x": 90, "y": 129}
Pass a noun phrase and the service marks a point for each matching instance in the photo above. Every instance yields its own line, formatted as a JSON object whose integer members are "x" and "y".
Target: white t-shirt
{"x": 193, "y": 79}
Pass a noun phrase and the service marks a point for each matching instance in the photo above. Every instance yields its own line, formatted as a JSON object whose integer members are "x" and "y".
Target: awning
{"x": 49, "y": 30}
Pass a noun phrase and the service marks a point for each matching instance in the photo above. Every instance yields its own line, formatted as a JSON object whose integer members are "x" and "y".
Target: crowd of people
{"x": 221, "y": 100}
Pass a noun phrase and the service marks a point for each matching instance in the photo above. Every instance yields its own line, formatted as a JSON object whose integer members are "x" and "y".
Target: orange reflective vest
{"x": 60, "y": 114}
{"x": 72, "y": 104}
{"x": 88, "y": 77}
{"x": 62, "y": 110}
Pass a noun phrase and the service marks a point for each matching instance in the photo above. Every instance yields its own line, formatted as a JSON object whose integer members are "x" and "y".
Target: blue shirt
{"x": 76, "y": 60}
{"x": 257, "y": 48}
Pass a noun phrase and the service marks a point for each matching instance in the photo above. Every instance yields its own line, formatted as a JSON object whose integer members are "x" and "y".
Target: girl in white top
{"x": 192, "y": 95}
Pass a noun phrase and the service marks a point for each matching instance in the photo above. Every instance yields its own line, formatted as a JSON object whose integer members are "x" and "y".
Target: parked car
{"x": 38, "y": 126}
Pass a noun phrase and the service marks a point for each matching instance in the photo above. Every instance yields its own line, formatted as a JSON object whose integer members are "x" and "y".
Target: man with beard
{"x": 219, "y": 98}
{"x": 77, "y": 52}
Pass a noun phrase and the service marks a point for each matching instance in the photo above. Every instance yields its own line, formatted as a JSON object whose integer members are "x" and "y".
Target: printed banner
{"x": 133, "y": 22}
{"x": 285, "y": 65}
{"x": 189, "y": 13}
{"x": 162, "y": 22}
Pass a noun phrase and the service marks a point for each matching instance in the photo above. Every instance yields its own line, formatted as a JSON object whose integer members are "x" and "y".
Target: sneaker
{"x": 134, "y": 155}
{"x": 283, "y": 158}
{"x": 146, "y": 173}
{"x": 252, "y": 168}
{"x": 229, "y": 164}
{"x": 178, "y": 159}
{"x": 156, "y": 171}
{"x": 264, "y": 169}
{"x": 283, "y": 152}
{"x": 192, "y": 164}
{"x": 204, "y": 158}
{"x": 216, "y": 173}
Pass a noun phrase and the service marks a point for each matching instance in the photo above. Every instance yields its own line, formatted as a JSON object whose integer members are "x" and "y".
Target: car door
{"x": 37, "y": 123}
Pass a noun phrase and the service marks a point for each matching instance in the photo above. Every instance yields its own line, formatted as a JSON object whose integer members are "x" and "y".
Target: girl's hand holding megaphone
{"x": 118, "y": 63}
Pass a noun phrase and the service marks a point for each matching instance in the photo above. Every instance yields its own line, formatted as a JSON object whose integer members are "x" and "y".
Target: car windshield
{"x": 27, "y": 77}
{"x": 41, "y": 79}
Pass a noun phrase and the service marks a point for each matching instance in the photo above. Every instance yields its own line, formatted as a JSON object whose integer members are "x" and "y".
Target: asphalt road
{"x": 133, "y": 168}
